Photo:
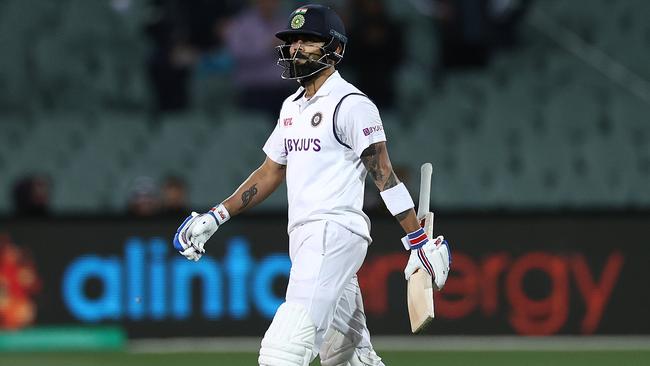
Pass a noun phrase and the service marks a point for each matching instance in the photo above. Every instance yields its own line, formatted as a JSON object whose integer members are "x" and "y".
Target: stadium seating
{"x": 538, "y": 128}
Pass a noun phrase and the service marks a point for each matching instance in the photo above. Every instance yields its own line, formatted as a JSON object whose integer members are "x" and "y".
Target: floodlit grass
{"x": 496, "y": 358}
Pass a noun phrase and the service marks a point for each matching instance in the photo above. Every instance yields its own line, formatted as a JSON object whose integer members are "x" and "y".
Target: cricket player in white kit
{"x": 328, "y": 137}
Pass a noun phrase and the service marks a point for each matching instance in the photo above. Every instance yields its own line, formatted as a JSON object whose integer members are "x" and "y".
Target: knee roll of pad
{"x": 289, "y": 341}
{"x": 337, "y": 349}
{"x": 366, "y": 357}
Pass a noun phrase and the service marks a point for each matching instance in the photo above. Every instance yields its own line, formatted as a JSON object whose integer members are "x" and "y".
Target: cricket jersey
{"x": 320, "y": 140}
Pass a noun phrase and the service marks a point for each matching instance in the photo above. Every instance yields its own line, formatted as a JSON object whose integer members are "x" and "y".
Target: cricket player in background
{"x": 328, "y": 137}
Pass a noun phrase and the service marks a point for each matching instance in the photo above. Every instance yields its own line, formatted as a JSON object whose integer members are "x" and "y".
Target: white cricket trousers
{"x": 325, "y": 258}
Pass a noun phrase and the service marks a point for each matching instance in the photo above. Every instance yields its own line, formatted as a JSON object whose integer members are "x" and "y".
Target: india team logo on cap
{"x": 298, "y": 19}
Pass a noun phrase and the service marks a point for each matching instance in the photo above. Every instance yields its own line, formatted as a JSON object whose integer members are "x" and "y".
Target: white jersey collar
{"x": 324, "y": 89}
{"x": 328, "y": 85}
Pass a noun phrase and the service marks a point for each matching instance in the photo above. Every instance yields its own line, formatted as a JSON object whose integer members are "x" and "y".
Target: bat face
{"x": 420, "y": 289}
{"x": 420, "y": 300}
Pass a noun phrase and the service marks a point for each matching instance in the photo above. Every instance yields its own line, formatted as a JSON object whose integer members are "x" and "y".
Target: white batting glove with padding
{"x": 433, "y": 256}
{"x": 182, "y": 241}
{"x": 194, "y": 232}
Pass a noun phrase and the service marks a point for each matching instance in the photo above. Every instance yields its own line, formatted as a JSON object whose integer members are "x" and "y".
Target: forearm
{"x": 386, "y": 178}
{"x": 377, "y": 162}
{"x": 255, "y": 189}
{"x": 408, "y": 220}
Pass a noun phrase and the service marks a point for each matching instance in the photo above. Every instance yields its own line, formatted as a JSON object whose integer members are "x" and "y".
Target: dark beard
{"x": 305, "y": 68}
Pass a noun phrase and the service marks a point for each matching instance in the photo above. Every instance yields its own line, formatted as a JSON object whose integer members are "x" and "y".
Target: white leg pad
{"x": 337, "y": 349}
{"x": 289, "y": 341}
{"x": 366, "y": 357}
{"x": 340, "y": 350}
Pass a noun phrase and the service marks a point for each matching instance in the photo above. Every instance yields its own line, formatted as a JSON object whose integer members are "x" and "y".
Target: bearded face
{"x": 307, "y": 63}
{"x": 302, "y": 57}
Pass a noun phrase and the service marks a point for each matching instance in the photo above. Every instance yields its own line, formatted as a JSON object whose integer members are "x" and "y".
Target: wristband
{"x": 417, "y": 239}
{"x": 220, "y": 214}
{"x": 397, "y": 199}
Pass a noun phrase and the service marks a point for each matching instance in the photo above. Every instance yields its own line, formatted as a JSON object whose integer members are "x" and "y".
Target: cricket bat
{"x": 420, "y": 284}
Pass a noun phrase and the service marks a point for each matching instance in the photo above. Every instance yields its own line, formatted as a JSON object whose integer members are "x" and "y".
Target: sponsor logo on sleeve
{"x": 370, "y": 130}
{"x": 287, "y": 122}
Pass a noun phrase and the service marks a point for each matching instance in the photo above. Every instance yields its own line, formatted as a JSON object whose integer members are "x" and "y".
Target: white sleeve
{"x": 359, "y": 124}
{"x": 274, "y": 146}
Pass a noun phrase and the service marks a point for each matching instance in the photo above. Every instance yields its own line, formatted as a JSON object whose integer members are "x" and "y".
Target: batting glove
{"x": 195, "y": 231}
{"x": 432, "y": 256}
{"x": 182, "y": 241}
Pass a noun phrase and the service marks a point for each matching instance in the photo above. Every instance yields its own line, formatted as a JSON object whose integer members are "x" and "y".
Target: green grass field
{"x": 445, "y": 358}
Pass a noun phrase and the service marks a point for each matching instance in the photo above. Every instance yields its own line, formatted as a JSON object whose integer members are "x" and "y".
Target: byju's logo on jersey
{"x": 370, "y": 130}
{"x": 291, "y": 145}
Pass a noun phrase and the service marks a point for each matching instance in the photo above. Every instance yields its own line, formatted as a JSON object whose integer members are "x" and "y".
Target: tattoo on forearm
{"x": 248, "y": 195}
{"x": 391, "y": 181}
{"x": 370, "y": 158}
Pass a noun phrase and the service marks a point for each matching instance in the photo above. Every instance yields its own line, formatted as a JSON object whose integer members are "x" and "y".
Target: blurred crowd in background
{"x": 519, "y": 104}
{"x": 31, "y": 197}
{"x": 234, "y": 42}
{"x": 237, "y": 39}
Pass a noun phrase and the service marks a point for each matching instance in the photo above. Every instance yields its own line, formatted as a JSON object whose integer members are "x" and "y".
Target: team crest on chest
{"x": 316, "y": 119}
